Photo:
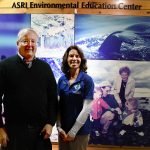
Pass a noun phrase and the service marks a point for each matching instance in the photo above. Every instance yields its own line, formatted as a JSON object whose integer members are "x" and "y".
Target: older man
{"x": 28, "y": 93}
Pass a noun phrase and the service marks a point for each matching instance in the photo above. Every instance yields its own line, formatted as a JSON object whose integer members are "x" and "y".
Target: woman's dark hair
{"x": 125, "y": 69}
{"x": 65, "y": 67}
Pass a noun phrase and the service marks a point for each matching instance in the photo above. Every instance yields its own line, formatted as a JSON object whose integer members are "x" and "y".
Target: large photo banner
{"x": 115, "y": 39}
{"x": 107, "y": 50}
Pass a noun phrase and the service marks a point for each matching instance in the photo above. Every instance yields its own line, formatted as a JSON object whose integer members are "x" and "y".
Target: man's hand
{"x": 47, "y": 131}
{"x": 3, "y": 137}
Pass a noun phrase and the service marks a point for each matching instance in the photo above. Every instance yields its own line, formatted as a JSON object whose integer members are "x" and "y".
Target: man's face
{"x": 27, "y": 45}
{"x": 124, "y": 76}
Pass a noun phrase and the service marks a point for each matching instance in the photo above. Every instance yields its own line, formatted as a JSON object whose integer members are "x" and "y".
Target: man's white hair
{"x": 22, "y": 32}
{"x": 105, "y": 83}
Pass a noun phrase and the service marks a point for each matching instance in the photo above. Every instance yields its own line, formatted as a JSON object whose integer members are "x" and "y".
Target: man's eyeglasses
{"x": 33, "y": 42}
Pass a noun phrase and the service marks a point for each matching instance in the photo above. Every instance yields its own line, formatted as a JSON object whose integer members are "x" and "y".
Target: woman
{"x": 124, "y": 86}
{"x": 75, "y": 90}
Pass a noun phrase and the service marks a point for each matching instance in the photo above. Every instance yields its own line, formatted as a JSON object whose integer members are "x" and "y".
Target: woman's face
{"x": 105, "y": 91}
{"x": 124, "y": 76}
{"x": 74, "y": 59}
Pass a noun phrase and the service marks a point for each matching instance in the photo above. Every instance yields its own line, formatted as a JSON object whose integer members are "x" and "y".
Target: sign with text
{"x": 114, "y": 7}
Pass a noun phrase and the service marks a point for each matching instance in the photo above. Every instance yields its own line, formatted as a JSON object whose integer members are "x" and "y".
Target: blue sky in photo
{"x": 90, "y": 25}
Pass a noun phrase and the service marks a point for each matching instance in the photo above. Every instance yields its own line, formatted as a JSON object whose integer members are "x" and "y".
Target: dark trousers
{"x": 26, "y": 138}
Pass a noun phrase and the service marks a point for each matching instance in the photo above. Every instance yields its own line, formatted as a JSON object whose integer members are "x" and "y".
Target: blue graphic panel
{"x": 10, "y": 24}
{"x": 113, "y": 37}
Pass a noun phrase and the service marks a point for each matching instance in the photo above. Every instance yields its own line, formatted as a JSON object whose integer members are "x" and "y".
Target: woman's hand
{"x": 62, "y": 133}
{"x": 69, "y": 138}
